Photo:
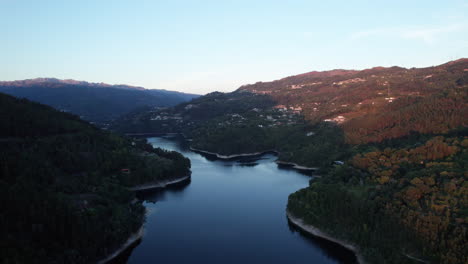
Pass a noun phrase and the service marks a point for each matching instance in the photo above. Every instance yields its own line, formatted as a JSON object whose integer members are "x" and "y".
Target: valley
{"x": 325, "y": 132}
{"x": 387, "y": 147}
{"x": 390, "y": 145}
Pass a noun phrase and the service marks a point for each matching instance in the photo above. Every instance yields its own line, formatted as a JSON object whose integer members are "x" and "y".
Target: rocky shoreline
{"x": 159, "y": 184}
{"x": 130, "y": 241}
{"x": 233, "y": 156}
{"x": 296, "y": 166}
{"x": 319, "y": 233}
{"x": 255, "y": 154}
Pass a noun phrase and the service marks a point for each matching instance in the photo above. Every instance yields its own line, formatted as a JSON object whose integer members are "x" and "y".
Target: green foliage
{"x": 379, "y": 103}
{"x": 64, "y": 197}
{"x": 188, "y": 116}
{"x": 339, "y": 212}
{"x": 394, "y": 202}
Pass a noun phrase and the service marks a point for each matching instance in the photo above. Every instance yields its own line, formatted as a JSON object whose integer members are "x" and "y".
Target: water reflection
{"x": 159, "y": 194}
{"x": 331, "y": 249}
{"x": 123, "y": 257}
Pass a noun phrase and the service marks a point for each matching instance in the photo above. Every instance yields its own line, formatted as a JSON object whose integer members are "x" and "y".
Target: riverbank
{"x": 319, "y": 233}
{"x": 296, "y": 166}
{"x": 233, "y": 156}
{"x": 150, "y": 134}
{"x": 159, "y": 184}
{"x": 253, "y": 155}
{"x": 139, "y": 234}
{"x": 130, "y": 241}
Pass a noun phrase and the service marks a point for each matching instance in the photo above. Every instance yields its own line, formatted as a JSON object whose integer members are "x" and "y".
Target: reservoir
{"x": 230, "y": 212}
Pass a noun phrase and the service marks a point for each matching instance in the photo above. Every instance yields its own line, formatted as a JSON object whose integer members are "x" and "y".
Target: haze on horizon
{"x": 203, "y": 46}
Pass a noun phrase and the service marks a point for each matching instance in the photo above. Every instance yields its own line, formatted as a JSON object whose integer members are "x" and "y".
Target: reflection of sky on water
{"x": 228, "y": 213}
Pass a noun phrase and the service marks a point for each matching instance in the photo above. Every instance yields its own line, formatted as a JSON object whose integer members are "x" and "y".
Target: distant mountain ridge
{"x": 30, "y": 82}
{"x": 96, "y": 102}
{"x": 337, "y": 73}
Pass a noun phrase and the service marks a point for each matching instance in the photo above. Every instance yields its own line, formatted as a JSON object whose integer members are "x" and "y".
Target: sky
{"x": 204, "y": 46}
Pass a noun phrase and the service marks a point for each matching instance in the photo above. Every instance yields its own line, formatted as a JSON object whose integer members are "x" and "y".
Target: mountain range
{"x": 368, "y": 106}
{"x": 96, "y": 102}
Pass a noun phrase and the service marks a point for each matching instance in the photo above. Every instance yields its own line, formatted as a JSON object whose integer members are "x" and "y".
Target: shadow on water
{"x": 159, "y": 194}
{"x": 290, "y": 168}
{"x": 247, "y": 164}
{"x": 331, "y": 249}
{"x": 123, "y": 257}
{"x": 151, "y": 196}
{"x": 239, "y": 159}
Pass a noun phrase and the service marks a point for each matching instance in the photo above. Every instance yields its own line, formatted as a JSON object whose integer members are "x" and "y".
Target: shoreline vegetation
{"x": 78, "y": 208}
{"x": 140, "y": 233}
{"x": 298, "y": 222}
{"x": 296, "y": 166}
{"x": 151, "y": 134}
{"x": 160, "y": 184}
{"x": 233, "y": 156}
{"x": 130, "y": 241}
{"x": 293, "y": 165}
{"x": 255, "y": 154}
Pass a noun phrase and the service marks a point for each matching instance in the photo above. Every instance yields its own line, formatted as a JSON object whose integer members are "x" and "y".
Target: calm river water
{"x": 230, "y": 212}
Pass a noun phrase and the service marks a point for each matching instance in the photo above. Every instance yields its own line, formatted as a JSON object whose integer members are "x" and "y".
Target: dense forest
{"x": 95, "y": 102}
{"x": 64, "y": 185}
{"x": 242, "y": 122}
{"x": 396, "y": 202}
{"x": 187, "y": 116}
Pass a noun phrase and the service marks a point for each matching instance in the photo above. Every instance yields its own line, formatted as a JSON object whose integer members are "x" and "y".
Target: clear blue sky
{"x": 202, "y": 46}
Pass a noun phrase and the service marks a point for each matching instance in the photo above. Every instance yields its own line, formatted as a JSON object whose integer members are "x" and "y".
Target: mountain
{"x": 96, "y": 102}
{"x": 390, "y": 145}
{"x": 379, "y": 103}
{"x": 64, "y": 185}
{"x": 362, "y": 107}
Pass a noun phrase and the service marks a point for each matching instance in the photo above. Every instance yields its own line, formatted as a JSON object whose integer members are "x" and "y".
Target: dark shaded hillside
{"x": 187, "y": 116}
{"x": 64, "y": 194}
{"x": 94, "y": 102}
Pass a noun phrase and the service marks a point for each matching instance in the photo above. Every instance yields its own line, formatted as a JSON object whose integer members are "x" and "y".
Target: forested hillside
{"x": 242, "y": 122}
{"x": 96, "y": 102}
{"x": 396, "y": 202}
{"x": 63, "y": 185}
{"x": 379, "y": 103}
{"x": 368, "y": 106}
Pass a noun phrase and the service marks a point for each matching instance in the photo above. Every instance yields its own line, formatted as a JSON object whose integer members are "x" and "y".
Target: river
{"x": 230, "y": 212}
